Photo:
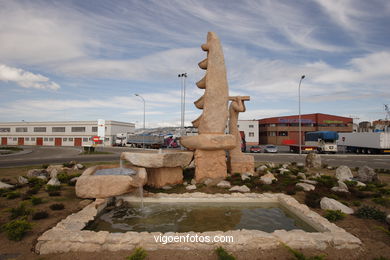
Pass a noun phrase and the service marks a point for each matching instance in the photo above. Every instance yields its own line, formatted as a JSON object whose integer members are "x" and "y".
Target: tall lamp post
{"x": 143, "y": 135}
{"x": 183, "y": 77}
{"x": 299, "y": 117}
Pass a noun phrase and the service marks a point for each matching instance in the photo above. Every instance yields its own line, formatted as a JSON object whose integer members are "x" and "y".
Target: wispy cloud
{"x": 26, "y": 79}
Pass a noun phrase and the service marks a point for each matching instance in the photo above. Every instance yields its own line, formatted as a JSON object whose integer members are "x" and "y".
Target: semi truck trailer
{"x": 365, "y": 142}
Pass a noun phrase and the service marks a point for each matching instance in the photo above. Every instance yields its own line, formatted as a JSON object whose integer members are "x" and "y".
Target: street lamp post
{"x": 143, "y": 135}
{"x": 299, "y": 116}
{"x": 183, "y": 77}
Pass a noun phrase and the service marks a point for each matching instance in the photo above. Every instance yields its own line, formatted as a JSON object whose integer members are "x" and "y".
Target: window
{"x": 32, "y": 138}
{"x": 21, "y": 129}
{"x": 58, "y": 129}
{"x": 78, "y": 129}
{"x": 272, "y": 133}
{"x": 283, "y": 133}
{"x": 90, "y": 139}
{"x": 27, "y": 139}
{"x": 45, "y": 139}
{"x": 5, "y": 130}
{"x": 107, "y": 139}
{"x": 272, "y": 125}
{"x": 39, "y": 129}
{"x": 238, "y": 126}
{"x": 15, "y": 139}
{"x": 94, "y": 128}
{"x": 251, "y": 134}
{"x": 51, "y": 139}
{"x": 70, "y": 139}
{"x": 65, "y": 139}
{"x": 85, "y": 139}
{"x": 250, "y": 126}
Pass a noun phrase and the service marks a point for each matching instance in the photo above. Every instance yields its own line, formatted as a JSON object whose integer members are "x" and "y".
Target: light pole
{"x": 299, "y": 117}
{"x": 143, "y": 135}
{"x": 183, "y": 77}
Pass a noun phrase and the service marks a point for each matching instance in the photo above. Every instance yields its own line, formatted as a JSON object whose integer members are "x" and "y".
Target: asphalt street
{"x": 46, "y": 155}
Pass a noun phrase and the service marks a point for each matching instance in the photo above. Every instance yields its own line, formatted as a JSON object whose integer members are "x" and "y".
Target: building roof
{"x": 317, "y": 117}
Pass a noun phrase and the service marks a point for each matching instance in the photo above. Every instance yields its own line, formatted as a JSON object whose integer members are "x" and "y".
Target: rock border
{"x": 68, "y": 236}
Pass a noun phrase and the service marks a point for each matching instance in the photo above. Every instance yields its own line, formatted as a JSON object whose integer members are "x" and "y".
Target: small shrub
{"x": 33, "y": 191}
{"x": 25, "y": 196}
{"x": 36, "y": 200}
{"x": 44, "y": 166}
{"x": 50, "y": 188}
{"x": 334, "y": 215}
{"x": 40, "y": 215}
{"x": 16, "y": 229}
{"x": 326, "y": 181}
{"x": 13, "y": 195}
{"x": 356, "y": 203}
{"x": 138, "y": 254}
{"x": 370, "y": 213}
{"x": 350, "y": 184}
{"x": 299, "y": 256}
{"x": 35, "y": 182}
{"x": 223, "y": 255}
{"x": 19, "y": 211}
{"x": 69, "y": 164}
{"x": 382, "y": 201}
{"x": 313, "y": 198}
{"x": 57, "y": 206}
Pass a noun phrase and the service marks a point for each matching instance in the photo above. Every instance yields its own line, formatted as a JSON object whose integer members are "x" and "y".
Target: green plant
{"x": 57, "y": 206}
{"x": 326, "y": 181}
{"x": 350, "y": 184}
{"x": 19, "y": 211}
{"x": 13, "y": 195}
{"x": 69, "y": 164}
{"x": 35, "y": 182}
{"x": 50, "y": 188}
{"x": 300, "y": 256}
{"x": 16, "y": 229}
{"x": 223, "y": 254}
{"x": 334, "y": 215}
{"x": 382, "y": 201}
{"x": 40, "y": 215}
{"x": 36, "y": 200}
{"x": 370, "y": 213}
{"x": 138, "y": 254}
{"x": 356, "y": 203}
{"x": 44, "y": 166}
{"x": 313, "y": 198}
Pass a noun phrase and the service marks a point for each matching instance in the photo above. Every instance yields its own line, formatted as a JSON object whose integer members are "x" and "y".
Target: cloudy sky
{"x": 84, "y": 60}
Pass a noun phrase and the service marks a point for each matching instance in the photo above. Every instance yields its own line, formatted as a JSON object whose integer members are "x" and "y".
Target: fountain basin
{"x": 164, "y": 167}
{"x": 111, "y": 181}
{"x": 68, "y": 235}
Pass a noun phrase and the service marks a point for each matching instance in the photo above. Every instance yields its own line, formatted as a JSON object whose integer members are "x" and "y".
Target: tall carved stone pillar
{"x": 238, "y": 162}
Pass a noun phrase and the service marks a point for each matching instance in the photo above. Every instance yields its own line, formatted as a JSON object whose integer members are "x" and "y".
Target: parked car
{"x": 270, "y": 149}
{"x": 255, "y": 149}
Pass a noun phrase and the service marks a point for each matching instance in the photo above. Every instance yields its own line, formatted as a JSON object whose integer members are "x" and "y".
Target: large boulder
{"x": 5, "y": 185}
{"x": 22, "y": 180}
{"x": 242, "y": 188}
{"x": 267, "y": 178}
{"x": 343, "y": 173}
{"x": 159, "y": 160}
{"x": 313, "y": 160}
{"x": 57, "y": 167}
{"x": 54, "y": 182}
{"x": 37, "y": 172}
{"x": 367, "y": 174}
{"x": 306, "y": 186}
{"x": 331, "y": 204}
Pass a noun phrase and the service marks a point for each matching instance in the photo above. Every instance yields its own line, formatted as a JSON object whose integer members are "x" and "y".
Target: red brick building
{"x": 284, "y": 130}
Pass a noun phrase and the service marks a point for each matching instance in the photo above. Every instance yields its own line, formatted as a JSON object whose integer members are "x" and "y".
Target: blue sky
{"x": 84, "y": 60}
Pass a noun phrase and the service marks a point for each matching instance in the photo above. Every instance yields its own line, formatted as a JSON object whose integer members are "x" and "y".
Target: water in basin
{"x": 116, "y": 171}
{"x": 197, "y": 217}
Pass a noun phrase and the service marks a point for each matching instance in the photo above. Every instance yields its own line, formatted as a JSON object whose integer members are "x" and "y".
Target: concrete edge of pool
{"x": 68, "y": 235}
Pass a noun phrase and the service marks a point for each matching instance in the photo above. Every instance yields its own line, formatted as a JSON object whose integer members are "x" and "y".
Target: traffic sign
{"x": 96, "y": 139}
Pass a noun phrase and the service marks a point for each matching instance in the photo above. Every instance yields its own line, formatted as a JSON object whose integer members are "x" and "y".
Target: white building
{"x": 64, "y": 133}
{"x": 251, "y": 130}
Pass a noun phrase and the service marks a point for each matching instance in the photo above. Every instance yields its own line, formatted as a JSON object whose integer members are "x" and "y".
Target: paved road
{"x": 44, "y": 155}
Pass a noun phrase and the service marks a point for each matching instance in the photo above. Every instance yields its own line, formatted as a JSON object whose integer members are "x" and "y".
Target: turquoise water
{"x": 197, "y": 217}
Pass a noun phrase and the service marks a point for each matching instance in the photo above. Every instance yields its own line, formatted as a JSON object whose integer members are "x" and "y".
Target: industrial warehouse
{"x": 64, "y": 133}
{"x": 284, "y": 130}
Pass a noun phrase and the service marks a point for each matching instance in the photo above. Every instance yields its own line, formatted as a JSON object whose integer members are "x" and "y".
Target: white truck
{"x": 365, "y": 142}
{"x": 121, "y": 139}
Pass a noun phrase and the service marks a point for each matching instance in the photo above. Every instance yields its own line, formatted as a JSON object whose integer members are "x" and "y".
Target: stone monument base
{"x": 160, "y": 177}
{"x": 210, "y": 164}
{"x": 241, "y": 164}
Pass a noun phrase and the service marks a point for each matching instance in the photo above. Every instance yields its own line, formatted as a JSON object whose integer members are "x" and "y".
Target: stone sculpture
{"x": 238, "y": 162}
{"x": 211, "y": 143}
